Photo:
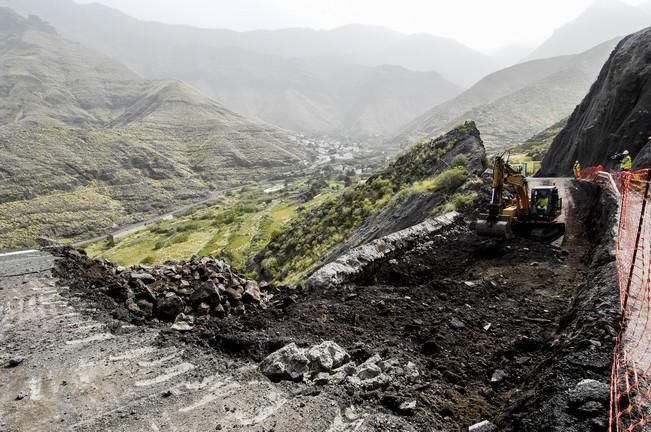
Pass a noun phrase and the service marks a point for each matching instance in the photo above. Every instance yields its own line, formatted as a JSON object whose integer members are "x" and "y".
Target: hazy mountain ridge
{"x": 512, "y": 104}
{"x": 613, "y": 117}
{"x": 603, "y": 20}
{"x": 280, "y": 76}
{"x": 370, "y": 45}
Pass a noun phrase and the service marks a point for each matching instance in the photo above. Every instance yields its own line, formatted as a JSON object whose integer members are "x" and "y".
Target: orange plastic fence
{"x": 630, "y": 407}
{"x": 589, "y": 173}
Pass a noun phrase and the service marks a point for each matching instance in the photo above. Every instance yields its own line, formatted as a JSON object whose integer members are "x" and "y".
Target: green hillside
{"x": 512, "y": 104}
{"x": 436, "y": 173}
{"x": 536, "y": 146}
{"x": 235, "y": 227}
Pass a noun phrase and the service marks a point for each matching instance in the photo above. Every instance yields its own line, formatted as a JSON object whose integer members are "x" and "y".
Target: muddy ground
{"x": 480, "y": 318}
{"x": 460, "y": 308}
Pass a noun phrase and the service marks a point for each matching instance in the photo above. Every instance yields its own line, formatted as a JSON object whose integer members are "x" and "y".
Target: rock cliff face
{"x": 415, "y": 208}
{"x": 616, "y": 114}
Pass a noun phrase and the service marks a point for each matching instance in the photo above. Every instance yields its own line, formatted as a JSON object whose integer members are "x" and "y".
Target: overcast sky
{"x": 480, "y": 24}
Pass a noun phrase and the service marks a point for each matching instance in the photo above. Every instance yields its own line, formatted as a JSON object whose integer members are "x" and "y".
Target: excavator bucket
{"x": 500, "y": 227}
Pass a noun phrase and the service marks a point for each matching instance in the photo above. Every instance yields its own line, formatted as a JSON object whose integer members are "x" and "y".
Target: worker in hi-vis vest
{"x": 577, "y": 169}
{"x": 626, "y": 163}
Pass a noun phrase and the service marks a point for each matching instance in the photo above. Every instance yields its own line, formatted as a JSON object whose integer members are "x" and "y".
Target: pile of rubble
{"x": 179, "y": 292}
{"x": 329, "y": 364}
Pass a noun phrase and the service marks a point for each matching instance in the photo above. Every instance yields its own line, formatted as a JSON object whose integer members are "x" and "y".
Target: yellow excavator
{"x": 532, "y": 216}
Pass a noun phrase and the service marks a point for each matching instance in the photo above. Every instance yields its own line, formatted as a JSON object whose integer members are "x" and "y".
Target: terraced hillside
{"x": 285, "y": 235}
{"x": 86, "y": 144}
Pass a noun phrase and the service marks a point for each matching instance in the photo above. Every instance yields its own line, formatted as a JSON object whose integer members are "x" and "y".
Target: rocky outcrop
{"x": 463, "y": 141}
{"x": 428, "y": 179}
{"x": 616, "y": 114}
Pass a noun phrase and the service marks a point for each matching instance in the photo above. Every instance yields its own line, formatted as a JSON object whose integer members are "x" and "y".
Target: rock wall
{"x": 615, "y": 115}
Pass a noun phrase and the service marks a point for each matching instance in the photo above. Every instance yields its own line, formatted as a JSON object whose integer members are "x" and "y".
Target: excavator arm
{"x": 496, "y": 223}
{"x": 503, "y": 173}
{"x": 522, "y": 190}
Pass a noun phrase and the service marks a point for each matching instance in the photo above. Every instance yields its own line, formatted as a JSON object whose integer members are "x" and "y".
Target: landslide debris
{"x": 568, "y": 389}
{"x": 179, "y": 292}
{"x": 614, "y": 116}
{"x": 448, "y": 330}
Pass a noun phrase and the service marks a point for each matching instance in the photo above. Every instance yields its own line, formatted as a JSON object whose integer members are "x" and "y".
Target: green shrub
{"x": 459, "y": 161}
{"x": 179, "y": 238}
{"x": 464, "y": 201}
{"x": 451, "y": 179}
{"x": 188, "y": 226}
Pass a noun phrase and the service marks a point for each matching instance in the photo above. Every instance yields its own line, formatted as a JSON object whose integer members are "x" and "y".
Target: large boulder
{"x": 207, "y": 293}
{"x": 252, "y": 292}
{"x": 168, "y": 308}
{"x": 589, "y": 390}
{"x": 288, "y": 363}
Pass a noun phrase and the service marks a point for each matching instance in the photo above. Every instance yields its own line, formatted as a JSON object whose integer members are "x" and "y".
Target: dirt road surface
{"x": 65, "y": 366}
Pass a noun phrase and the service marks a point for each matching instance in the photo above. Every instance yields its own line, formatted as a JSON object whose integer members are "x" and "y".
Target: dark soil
{"x": 465, "y": 309}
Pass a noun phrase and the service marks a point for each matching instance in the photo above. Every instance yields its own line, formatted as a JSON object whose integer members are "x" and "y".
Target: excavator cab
{"x": 545, "y": 203}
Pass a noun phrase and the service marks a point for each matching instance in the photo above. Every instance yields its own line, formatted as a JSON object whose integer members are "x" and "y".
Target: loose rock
{"x": 327, "y": 356}
{"x": 288, "y": 363}
{"x": 484, "y": 426}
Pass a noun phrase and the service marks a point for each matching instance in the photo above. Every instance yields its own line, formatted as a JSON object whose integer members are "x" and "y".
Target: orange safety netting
{"x": 589, "y": 173}
{"x": 630, "y": 408}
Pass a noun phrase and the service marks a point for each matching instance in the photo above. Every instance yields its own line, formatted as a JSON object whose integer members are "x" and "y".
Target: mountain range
{"x": 80, "y": 128}
{"x": 512, "y": 104}
{"x": 317, "y": 82}
{"x": 354, "y": 80}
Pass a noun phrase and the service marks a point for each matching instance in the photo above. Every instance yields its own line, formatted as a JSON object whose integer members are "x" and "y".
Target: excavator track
{"x": 544, "y": 233}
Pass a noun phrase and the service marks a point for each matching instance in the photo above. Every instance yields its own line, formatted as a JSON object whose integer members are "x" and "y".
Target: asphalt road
{"x": 24, "y": 262}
